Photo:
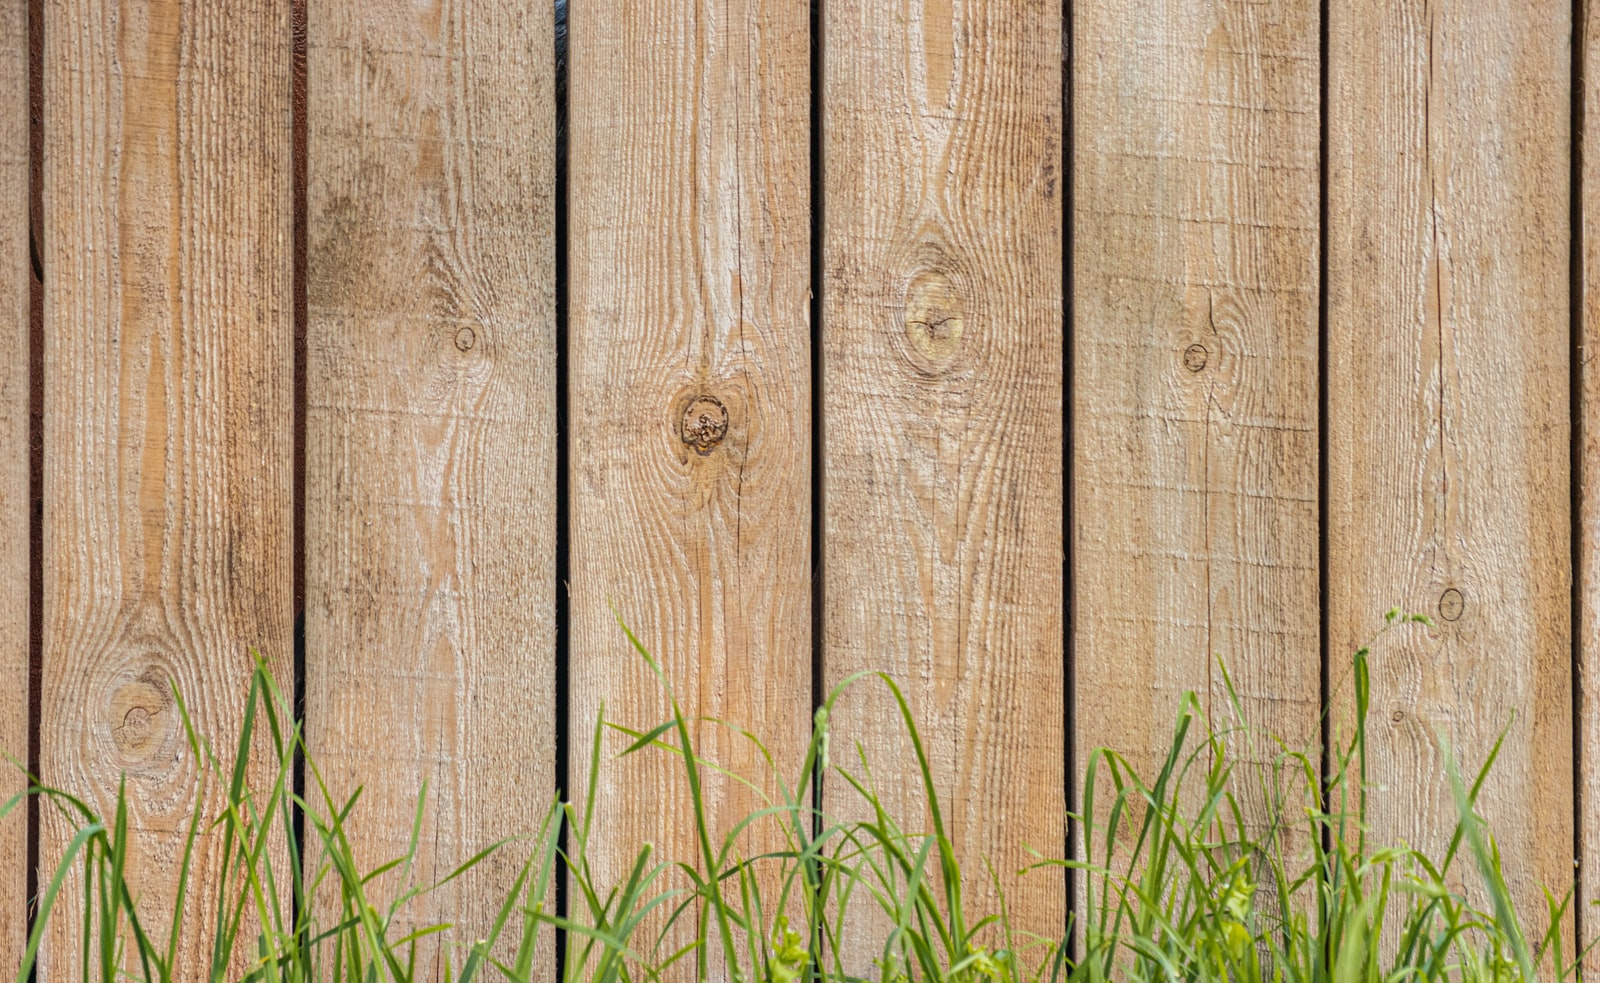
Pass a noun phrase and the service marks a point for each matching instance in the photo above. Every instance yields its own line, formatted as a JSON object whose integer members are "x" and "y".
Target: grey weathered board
{"x": 1448, "y": 403}
{"x": 430, "y": 459}
{"x": 689, "y": 403}
{"x": 168, "y": 383}
{"x": 942, "y": 419}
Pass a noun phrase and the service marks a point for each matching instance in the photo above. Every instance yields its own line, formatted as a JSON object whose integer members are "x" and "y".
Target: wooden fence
{"x": 1034, "y": 354}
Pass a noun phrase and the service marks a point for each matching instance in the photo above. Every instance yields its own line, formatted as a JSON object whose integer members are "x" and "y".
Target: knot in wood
{"x": 935, "y": 319}
{"x": 465, "y": 339}
{"x": 1451, "y": 603}
{"x": 1195, "y": 357}
{"x": 705, "y": 423}
{"x": 137, "y": 717}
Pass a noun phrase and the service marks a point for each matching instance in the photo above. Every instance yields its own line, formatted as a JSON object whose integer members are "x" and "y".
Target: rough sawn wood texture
{"x": 15, "y": 457}
{"x": 430, "y": 478}
{"x": 1195, "y": 307}
{"x": 689, "y": 405}
{"x": 1448, "y": 405}
{"x": 168, "y": 418}
{"x": 942, "y": 420}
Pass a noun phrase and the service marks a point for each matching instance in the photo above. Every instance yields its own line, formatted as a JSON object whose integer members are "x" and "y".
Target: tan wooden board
{"x": 430, "y": 460}
{"x": 942, "y": 423}
{"x": 1195, "y": 301}
{"x": 689, "y": 403}
{"x": 1587, "y": 563}
{"x": 168, "y": 415}
{"x": 1448, "y": 402}
{"x": 15, "y": 507}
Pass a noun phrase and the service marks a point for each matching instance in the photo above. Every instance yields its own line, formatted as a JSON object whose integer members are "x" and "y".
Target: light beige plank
{"x": 942, "y": 420}
{"x": 1195, "y": 311}
{"x": 689, "y": 398}
{"x": 168, "y": 414}
{"x": 1448, "y": 412}
{"x": 430, "y": 476}
{"x": 15, "y": 596}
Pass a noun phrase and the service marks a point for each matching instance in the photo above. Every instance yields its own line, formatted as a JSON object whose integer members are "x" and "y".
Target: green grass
{"x": 1176, "y": 883}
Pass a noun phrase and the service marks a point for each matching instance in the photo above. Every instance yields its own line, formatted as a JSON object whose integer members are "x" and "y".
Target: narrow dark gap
{"x": 298, "y": 109}
{"x": 819, "y": 499}
{"x": 1576, "y": 375}
{"x": 563, "y": 601}
{"x": 1324, "y": 676}
{"x": 1069, "y": 702}
{"x": 35, "y": 437}
{"x": 819, "y": 675}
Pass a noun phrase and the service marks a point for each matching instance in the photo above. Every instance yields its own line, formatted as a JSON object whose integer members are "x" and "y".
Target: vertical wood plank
{"x": 689, "y": 397}
{"x": 168, "y": 408}
{"x": 1448, "y": 411}
{"x": 15, "y": 596}
{"x": 1587, "y": 563}
{"x": 942, "y": 386}
{"x": 1195, "y": 223}
{"x": 430, "y": 481}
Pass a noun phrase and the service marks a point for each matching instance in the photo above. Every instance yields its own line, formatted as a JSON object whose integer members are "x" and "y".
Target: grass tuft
{"x": 1180, "y": 880}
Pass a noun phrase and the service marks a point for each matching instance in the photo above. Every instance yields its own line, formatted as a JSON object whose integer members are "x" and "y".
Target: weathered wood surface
{"x": 1587, "y": 563}
{"x": 1195, "y": 308}
{"x": 430, "y": 477}
{"x": 1448, "y": 345}
{"x": 689, "y": 399}
{"x": 430, "y": 481}
{"x": 168, "y": 413}
{"x": 15, "y": 507}
{"x": 942, "y": 417}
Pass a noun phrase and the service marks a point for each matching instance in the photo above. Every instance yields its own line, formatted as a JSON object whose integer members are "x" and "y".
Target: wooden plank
{"x": 430, "y": 477}
{"x": 942, "y": 389}
{"x": 1587, "y": 563}
{"x": 15, "y": 398}
{"x": 1448, "y": 401}
{"x": 169, "y": 412}
{"x": 689, "y": 397}
{"x": 1195, "y": 390}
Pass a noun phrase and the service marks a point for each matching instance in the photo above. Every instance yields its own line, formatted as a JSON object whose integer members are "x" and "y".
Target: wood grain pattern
{"x": 1195, "y": 306}
{"x": 689, "y": 397}
{"x": 942, "y": 419}
{"x": 1448, "y": 408}
{"x": 1587, "y": 563}
{"x": 430, "y": 478}
{"x": 169, "y": 412}
{"x": 15, "y": 596}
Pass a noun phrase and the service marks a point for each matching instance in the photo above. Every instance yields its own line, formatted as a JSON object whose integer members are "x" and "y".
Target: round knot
{"x": 934, "y": 321}
{"x": 138, "y": 717}
{"x": 705, "y": 423}
{"x": 1451, "y": 604}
